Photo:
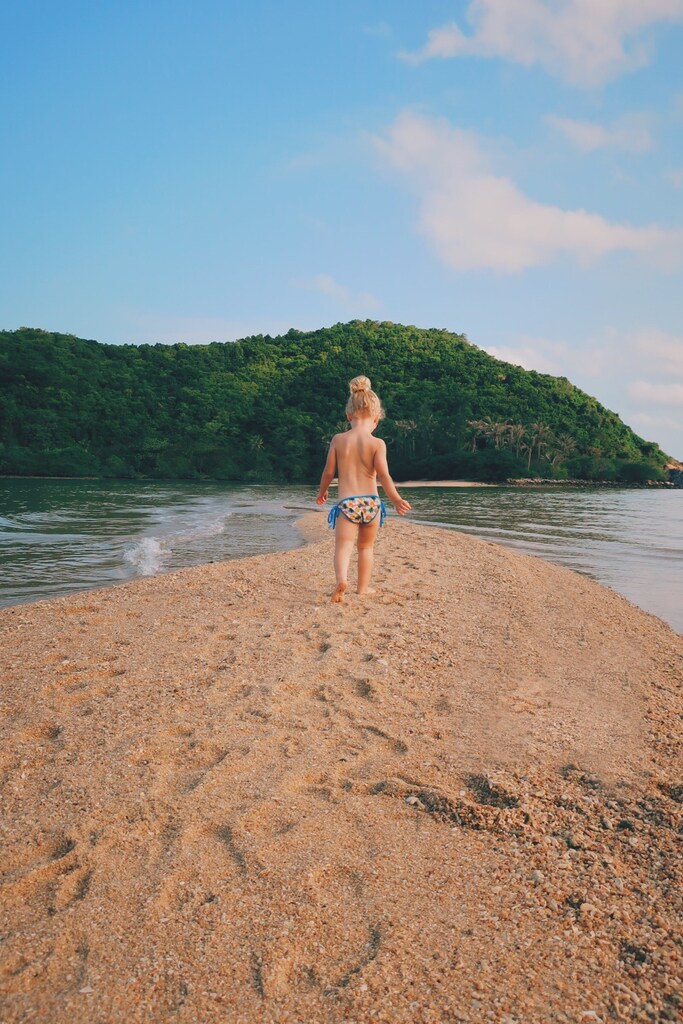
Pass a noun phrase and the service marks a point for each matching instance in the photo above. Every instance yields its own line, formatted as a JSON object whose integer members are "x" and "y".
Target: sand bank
{"x": 225, "y": 799}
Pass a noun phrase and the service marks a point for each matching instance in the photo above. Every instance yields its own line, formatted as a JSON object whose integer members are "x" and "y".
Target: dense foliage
{"x": 265, "y": 408}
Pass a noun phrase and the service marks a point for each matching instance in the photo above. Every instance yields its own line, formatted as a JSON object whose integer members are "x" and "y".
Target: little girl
{"x": 358, "y": 459}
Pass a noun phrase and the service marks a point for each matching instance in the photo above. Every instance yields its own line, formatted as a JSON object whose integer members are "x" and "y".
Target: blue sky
{"x": 508, "y": 169}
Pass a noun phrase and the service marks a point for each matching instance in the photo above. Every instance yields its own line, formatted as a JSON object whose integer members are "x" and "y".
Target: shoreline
{"x": 318, "y": 513}
{"x": 447, "y": 483}
{"x": 510, "y": 482}
{"x": 535, "y": 482}
{"x": 228, "y": 799}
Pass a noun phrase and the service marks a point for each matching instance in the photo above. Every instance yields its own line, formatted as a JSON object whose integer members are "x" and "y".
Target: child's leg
{"x": 367, "y": 534}
{"x": 344, "y": 536}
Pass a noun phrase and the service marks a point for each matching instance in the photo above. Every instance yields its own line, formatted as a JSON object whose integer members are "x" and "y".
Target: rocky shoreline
{"x": 612, "y": 484}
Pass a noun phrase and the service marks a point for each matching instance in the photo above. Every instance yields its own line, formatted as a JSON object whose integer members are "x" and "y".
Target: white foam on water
{"x": 210, "y": 528}
{"x": 146, "y": 555}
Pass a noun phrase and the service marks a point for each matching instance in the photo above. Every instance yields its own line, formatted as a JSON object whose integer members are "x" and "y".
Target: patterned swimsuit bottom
{"x": 359, "y": 509}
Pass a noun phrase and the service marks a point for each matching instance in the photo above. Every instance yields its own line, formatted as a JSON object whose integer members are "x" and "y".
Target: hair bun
{"x": 363, "y": 401}
{"x": 359, "y": 384}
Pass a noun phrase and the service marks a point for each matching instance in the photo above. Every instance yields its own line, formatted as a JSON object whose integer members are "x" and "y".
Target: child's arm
{"x": 328, "y": 476}
{"x": 382, "y": 470}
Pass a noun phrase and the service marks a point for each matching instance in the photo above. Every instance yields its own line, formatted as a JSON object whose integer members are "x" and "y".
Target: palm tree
{"x": 499, "y": 432}
{"x": 427, "y": 428}
{"x": 488, "y": 428}
{"x": 542, "y": 435}
{"x": 564, "y": 449}
{"x": 476, "y": 429}
{"x": 517, "y": 432}
{"x": 406, "y": 431}
{"x": 481, "y": 428}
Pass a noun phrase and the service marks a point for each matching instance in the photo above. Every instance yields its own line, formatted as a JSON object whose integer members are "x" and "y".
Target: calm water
{"x": 60, "y": 536}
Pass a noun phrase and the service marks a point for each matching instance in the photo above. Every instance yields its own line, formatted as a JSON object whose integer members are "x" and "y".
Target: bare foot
{"x": 338, "y": 595}
{"x": 364, "y": 593}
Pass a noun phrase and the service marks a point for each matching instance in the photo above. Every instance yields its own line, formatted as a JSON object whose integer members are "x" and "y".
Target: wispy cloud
{"x": 645, "y": 352}
{"x": 630, "y": 133}
{"x": 658, "y": 394}
{"x": 589, "y": 360}
{"x": 534, "y": 354}
{"x": 339, "y": 293}
{"x": 639, "y": 373}
{"x": 650, "y": 421}
{"x": 675, "y": 176}
{"x": 662, "y": 351}
{"x": 583, "y": 41}
{"x": 382, "y": 30}
{"x": 476, "y": 219}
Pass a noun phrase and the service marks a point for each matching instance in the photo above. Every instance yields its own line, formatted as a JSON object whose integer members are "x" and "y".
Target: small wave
{"x": 212, "y": 528}
{"x": 146, "y": 555}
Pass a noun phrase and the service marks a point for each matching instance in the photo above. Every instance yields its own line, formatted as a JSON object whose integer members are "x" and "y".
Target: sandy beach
{"x": 444, "y": 483}
{"x": 225, "y": 799}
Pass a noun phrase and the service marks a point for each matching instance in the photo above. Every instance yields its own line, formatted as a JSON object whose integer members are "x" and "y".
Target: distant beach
{"x": 444, "y": 483}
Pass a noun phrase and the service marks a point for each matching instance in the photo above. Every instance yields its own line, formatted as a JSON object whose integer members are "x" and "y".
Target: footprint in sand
{"x": 48, "y": 878}
{"x": 177, "y": 760}
{"x": 315, "y": 946}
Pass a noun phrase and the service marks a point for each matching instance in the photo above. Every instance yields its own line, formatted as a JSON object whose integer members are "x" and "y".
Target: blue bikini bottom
{"x": 360, "y": 509}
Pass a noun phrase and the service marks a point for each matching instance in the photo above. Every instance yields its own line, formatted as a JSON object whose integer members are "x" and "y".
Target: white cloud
{"x": 638, "y": 374}
{"x": 533, "y": 354}
{"x": 630, "y": 372}
{"x": 586, "y": 42}
{"x": 630, "y": 133}
{"x": 339, "y": 293}
{"x": 476, "y": 219}
{"x": 591, "y": 359}
{"x": 658, "y": 394}
{"x": 662, "y": 351}
{"x": 382, "y": 30}
{"x": 328, "y": 286}
{"x": 647, "y": 420}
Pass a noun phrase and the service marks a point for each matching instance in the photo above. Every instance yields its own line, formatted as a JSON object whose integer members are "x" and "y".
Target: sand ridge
{"x": 227, "y": 799}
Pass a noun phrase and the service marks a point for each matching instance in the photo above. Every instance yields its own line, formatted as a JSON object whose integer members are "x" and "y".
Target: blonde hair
{"x": 363, "y": 400}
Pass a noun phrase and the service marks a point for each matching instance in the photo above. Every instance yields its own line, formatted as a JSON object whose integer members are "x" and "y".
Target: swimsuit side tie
{"x": 333, "y": 516}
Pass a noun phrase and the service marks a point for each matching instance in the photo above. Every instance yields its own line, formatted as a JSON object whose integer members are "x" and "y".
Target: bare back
{"x": 355, "y": 451}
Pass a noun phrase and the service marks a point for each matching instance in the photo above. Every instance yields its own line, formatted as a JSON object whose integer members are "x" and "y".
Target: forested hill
{"x": 265, "y": 408}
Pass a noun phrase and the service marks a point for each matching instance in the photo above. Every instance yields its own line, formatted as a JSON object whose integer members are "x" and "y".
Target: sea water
{"x": 62, "y": 536}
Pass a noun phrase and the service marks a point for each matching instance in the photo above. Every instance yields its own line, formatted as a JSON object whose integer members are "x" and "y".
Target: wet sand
{"x": 227, "y": 799}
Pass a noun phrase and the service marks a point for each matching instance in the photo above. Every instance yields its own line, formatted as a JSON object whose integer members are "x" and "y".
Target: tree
{"x": 542, "y": 436}
{"x": 517, "y": 433}
{"x": 264, "y": 408}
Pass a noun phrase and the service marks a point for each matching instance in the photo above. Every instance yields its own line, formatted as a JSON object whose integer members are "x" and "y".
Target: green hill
{"x": 264, "y": 409}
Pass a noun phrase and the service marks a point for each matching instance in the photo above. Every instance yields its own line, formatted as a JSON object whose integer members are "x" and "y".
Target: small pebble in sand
{"x": 537, "y": 877}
